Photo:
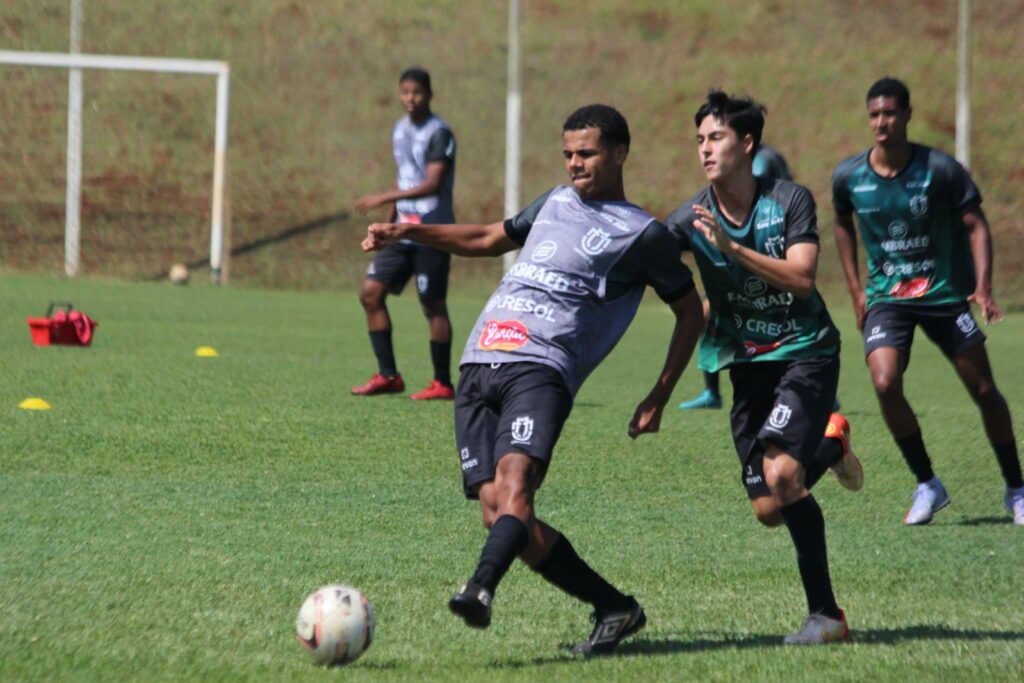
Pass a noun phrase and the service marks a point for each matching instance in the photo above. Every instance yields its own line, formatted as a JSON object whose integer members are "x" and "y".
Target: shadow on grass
{"x": 985, "y": 521}
{"x": 257, "y": 244}
{"x": 670, "y": 646}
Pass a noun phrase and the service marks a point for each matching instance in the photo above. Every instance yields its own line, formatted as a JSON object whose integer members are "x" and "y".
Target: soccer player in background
{"x": 586, "y": 255}
{"x": 756, "y": 244}
{"x": 929, "y": 256}
{"x": 424, "y": 150}
{"x": 770, "y": 165}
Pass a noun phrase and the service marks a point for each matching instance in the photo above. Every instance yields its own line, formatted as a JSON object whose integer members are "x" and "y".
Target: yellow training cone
{"x": 207, "y": 352}
{"x": 33, "y": 403}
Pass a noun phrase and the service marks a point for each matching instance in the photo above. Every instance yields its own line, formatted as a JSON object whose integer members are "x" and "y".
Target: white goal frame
{"x": 152, "y": 64}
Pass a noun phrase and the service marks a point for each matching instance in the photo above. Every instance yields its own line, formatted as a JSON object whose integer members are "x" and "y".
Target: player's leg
{"x": 976, "y": 373}
{"x": 888, "y": 336}
{"x": 388, "y": 273}
{"x": 432, "y": 268}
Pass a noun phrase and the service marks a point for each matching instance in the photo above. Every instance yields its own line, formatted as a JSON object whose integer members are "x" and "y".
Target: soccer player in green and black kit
{"x": 929, "y": 255}
{"x": 756, "y": 244}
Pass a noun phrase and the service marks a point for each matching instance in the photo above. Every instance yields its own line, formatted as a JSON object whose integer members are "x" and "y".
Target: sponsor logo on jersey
{"x": 919, "y": 204}
{"x": 521, "y": 304}
{"x": 966, "y": 324}
{"x": 503, "y": 335}
{"x": 865, "y": 188}
{"x": 754, "y": 286}
{"x": 908, "y": 244}
{"x": 898, "y": 230}
{"x": 551, "y": 280}
{"x": 910, "y": 268}
{"x": 780, "y": 416}
{"x": 770, "y": 329}
{"x": 613, "y": 221}
{"x": 595, "y": 241}
{"x": 911, "y": 289}
{"x": 769, "y": 222}
{"x": 762, "y": 303}
{"x": 544, "y": 251}
{"x": 522, "y": 429}
{"x": 918, "y": 184}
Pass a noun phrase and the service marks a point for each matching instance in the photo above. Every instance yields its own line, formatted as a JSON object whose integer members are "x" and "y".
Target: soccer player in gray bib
{"x": 756, "y": 244}
{"x": 424, "y": 150}
{"x": 586, "y": 257}
{"x": 929, "y": 255}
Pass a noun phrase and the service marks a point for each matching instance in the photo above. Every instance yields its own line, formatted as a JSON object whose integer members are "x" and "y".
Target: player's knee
{"x": 766, "y": 510}
{"x": 372, "y": 298}
{"x": 888, "y": 384}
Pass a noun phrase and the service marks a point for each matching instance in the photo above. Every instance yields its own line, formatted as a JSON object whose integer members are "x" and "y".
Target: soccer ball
{"x": 178, "y": 274}
{"x": 336, "y": 625}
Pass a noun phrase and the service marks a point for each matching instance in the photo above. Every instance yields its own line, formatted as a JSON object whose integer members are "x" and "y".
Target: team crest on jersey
{"x": 595, "y": 241}
{"x": 754, "y": 287}
{"x": 544, "y": 251}
{"x": 522, "y": 429}
{"x": 898, "y": 230}
{"x": 780, "y": 416}
{"x": 775, "y": 246}
{"x": 919, "y": 204}
{"x": 966, "y": 323}
{"x": 503, "y": 335}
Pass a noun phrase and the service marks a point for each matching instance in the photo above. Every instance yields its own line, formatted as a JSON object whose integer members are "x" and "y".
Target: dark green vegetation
{"x": 313, "y": 100}
{"x": 165, "y": 520}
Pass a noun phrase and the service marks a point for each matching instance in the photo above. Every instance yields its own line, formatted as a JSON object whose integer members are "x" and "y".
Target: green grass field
{"x": 165, "y": 520}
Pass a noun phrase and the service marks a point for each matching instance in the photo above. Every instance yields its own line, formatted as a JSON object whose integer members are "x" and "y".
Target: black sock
{"x": 1009, "y": 463}
{"x": 829, "y": 452}
{"x": 441, "y": 355}
{"x": 507, "y": 538}
{"x": 806, "y": 526}
{"x": 711, "y": 382}
{"x": 916, "y": 456}
{"x": 385, "y": 353}
{"x": 565, "y": 569}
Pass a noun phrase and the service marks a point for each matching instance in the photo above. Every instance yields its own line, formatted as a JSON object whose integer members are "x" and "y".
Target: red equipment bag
{"x": 66, "y": 326}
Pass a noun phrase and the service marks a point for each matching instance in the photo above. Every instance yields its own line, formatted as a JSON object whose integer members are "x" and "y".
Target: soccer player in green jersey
{"x": 929, "y": 256}
{"x": 756, "y": 244}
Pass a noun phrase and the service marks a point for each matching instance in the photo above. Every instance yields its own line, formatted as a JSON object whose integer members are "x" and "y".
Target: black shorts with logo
{"x": 396, "y": 263}
{"x": 950, "y": 326}
{"x": 785, "y": 403}
{"x": 507, "y": 408}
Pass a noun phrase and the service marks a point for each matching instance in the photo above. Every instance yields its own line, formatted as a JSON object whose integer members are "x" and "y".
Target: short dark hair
{"x": 742, "y": 114}
{"x": 419, "y": 76}
{"x": 890, "y": 87}
{"x": 612, "y": 124}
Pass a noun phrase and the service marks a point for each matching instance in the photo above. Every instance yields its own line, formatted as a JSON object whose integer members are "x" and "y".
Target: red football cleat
{"x": 379, "y": 384}
{"x": 848, "y": 470}
{"x": 435, "y": 391}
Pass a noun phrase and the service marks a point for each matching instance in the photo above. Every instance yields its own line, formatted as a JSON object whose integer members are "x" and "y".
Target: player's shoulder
{"x": 852, "y": 164}
{"x": 683, "y": 215}
{"x": 936, "y": 159}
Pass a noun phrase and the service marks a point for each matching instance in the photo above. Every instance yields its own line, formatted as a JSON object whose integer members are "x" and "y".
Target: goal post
{"x": 151, "y": 64}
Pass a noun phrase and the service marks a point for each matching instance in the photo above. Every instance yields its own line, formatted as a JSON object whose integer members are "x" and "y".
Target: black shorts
{"x": 507, "y": 408}
{"x": 785, "y": 403}
{"x": 951, "y": 327}
{"x": 395, "y": 264}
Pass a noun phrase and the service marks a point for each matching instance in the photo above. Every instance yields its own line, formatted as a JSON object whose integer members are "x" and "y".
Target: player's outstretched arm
{"x": 463, "y": 239}
{"x": 981, "y": 250}
{"x": 431, "y": 185}
{"x": 846, "y": 244}
{"x": 689, "y": 323}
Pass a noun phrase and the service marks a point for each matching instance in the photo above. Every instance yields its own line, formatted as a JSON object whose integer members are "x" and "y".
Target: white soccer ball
{"x": 178, "y": 274}
{"x": 336, "y": 625}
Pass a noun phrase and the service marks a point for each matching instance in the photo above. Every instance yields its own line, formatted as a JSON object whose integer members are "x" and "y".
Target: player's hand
{"x": 860, "y": 309}
{"x": 370, "y": 201}
{"x": 712, "y": 230}
{"x": 989, "y": 311}
{"x": 379, "y": 235}
{"x": 647, "y": 418}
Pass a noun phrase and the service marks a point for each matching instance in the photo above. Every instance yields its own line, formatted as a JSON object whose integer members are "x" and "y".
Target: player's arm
{"x": 430, "y": 186}
{"x": 689, "y": 314}
{"x": 794, "y": 274}
{"x": 981, "y": 250}
{"x": 845, "y": 235}
{"x": 461, "y": 239}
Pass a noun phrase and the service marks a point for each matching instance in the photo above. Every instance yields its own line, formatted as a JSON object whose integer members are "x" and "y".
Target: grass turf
{"x": 165, "y": 520}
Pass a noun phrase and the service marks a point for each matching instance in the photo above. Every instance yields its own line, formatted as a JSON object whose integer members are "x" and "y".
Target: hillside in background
{"x": 313, "y": 100}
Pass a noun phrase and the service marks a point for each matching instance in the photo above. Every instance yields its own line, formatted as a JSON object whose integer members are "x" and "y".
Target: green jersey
{"x": 750, "y": 320}
{"x": 911, "y": 226}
